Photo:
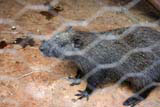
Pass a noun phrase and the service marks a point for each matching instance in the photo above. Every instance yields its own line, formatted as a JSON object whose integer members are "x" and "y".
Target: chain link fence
{"x": 28, "y": 78}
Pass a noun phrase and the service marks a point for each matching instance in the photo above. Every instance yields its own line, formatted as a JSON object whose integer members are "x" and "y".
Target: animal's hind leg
{"x": 77, "y": 79}
{"x": 135, "y": 99}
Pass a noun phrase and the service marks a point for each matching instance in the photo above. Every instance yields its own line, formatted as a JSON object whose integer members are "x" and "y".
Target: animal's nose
{"x": 41, "y": 48}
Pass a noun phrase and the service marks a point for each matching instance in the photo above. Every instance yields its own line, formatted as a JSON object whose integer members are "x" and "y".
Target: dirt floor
{"x": 28, "y": 79}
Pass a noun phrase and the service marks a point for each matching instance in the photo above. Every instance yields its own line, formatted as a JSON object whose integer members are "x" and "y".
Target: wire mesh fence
{"x": 28, "y": 78}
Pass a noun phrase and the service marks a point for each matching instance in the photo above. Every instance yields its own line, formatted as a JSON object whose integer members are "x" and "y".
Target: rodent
{"x": 118, "y": 54}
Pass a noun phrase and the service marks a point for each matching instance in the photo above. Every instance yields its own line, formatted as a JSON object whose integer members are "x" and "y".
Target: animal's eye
{"x": 77, "y": 43}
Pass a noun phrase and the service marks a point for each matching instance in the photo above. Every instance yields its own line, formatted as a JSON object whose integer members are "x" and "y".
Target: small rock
{"x": 13, "y": 28}
{"x": 3, "y": 44}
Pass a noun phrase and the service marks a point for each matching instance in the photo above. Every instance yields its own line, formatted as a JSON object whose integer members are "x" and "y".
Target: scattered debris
{"x": 3, "y": 44}
{"x": 52, "y": 11}
{"x": 13, "y": 28}
{"x": 25, "y": 41}
{"x": 58, "y": 8}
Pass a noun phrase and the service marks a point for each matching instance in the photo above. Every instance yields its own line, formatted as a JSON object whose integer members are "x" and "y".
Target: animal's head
{"x": 63, "y": 42}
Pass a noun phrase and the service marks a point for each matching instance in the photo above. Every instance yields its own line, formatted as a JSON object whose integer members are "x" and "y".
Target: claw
{"x": 132, "y": 101}
{"x": 74, "y": 83}
{"x": 82, "y": 94}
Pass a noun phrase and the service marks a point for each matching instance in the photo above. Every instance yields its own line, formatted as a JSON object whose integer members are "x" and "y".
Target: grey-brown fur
{"x": 135, "y": 53}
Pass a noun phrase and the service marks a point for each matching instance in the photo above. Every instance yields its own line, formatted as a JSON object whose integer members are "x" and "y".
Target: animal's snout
{"x": 41, "y": 48}
{"x": 44, "y": 50}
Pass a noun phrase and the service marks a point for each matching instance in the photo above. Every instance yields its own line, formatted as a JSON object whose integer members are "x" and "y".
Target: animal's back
{"x": 133, "y": 52}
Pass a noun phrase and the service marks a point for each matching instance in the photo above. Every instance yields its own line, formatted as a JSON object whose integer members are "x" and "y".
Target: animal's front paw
{"x": 132, "y": 101}
{"x": 74, "y": 81}
{"x": 83, "y": 94}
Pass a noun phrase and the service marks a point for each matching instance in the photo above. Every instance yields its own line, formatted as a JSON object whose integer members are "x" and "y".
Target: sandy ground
{"x": 28, "y": 79}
